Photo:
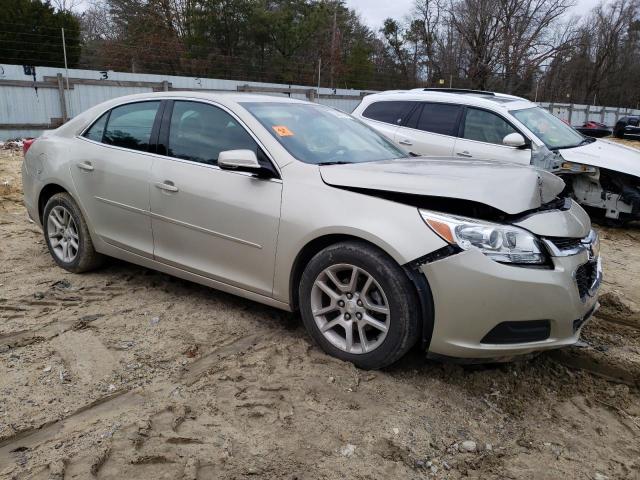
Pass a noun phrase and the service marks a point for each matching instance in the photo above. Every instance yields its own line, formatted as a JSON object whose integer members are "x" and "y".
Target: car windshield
{"x": 550, "y": 129}
{"x": 321, "y": 135}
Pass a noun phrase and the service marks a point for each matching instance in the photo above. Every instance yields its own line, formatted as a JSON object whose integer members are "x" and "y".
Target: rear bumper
{"x": 474, "y": 297}
{"x": 29, "y": 186}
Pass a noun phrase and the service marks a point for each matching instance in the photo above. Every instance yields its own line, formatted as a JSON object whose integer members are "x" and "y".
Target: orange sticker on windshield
{"x": 282, "y": 131}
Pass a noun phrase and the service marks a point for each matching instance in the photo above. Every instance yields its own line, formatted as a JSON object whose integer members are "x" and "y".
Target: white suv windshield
{"x": 548, "y": 128}
{"x": 321, "y": 135}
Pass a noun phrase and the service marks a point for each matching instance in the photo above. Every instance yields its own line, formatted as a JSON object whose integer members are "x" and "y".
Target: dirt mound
{"x": 615, "y": 309}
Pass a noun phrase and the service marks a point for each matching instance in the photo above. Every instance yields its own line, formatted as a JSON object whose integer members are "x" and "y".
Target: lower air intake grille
{"x": 585, "y": 277}
{"x": 518, "y": 332}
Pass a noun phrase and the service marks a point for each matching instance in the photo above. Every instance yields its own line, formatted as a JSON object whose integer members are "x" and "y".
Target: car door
{"x": 385, "y": 116}
{"x": 430, "y": 130}
{"x": 216, "y": 223}
{"x": 111, "y": 175}
{"x": 481, "y": 136}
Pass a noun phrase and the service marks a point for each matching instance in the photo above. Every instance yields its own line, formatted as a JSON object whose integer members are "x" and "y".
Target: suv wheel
{"x": 359, "y": 305}
{"x": 67, "y": 235}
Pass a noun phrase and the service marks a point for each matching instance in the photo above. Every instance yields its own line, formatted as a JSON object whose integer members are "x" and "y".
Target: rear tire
{"x": 354, "y": 286}
{"x": 67, "y": 235}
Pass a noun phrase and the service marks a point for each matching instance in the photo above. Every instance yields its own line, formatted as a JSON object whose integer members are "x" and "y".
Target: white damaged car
{"x": 600, "y": 174}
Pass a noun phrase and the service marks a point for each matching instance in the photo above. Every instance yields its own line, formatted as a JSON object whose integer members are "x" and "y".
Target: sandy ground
{"x": 127, "y": 373}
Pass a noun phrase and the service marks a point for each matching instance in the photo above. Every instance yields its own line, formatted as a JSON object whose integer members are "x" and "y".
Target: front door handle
{"x": 405, "y": 142}
{"x": 464, "y": 154}
{"x": 167, "y": 186}
{"x": 86, "y": 166}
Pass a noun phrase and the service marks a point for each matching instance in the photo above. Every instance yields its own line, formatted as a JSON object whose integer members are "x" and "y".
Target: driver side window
{"x": 484, "y": 126}
{"x": 199, "y": 132}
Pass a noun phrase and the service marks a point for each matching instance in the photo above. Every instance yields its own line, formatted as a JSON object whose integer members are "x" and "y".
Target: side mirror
{"x": 514, "y": 140}
{"x": 242, "y": 160}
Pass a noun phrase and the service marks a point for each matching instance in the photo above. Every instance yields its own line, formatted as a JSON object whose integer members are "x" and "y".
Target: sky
{"x": 374, "y": 12}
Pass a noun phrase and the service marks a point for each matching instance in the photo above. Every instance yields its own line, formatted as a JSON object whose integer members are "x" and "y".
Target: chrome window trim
{"x": 102, "y": 112}
{"x": 174, "y": 159}
{"x": 188, "y": 99}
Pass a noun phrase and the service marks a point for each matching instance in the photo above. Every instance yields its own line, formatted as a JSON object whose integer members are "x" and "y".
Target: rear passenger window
{"x": 439, "y": 118}
{"x": 199, "y": 132}
{"x": 389, "y": 112}
{"x": 130, "y": 125}
{"x": 96, "y": 131}
{"x": 486, "y": 127}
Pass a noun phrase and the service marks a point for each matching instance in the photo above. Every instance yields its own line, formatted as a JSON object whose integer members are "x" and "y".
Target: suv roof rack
{"x": 458, "y": 90}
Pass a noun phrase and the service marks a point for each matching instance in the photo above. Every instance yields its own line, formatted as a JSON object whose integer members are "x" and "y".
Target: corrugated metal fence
{"x": 43, "y": 98}
{"x": 32, "y": 101}
{"x": 578, "y": 114}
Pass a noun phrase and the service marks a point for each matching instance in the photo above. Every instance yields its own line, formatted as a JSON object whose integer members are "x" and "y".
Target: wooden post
{"x": 61, "y": 96}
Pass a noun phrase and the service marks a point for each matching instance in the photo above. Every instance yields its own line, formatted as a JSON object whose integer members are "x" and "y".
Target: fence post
{"x": 61, "y": 96}
{"x": 165, "y": 86}
{"x": 570, "y": 113}
{"x": 311, "y": 95}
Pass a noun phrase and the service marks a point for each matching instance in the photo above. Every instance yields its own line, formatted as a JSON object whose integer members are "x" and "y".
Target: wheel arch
{"x": 45, "y": 194}
{"x": 415, "y": 276}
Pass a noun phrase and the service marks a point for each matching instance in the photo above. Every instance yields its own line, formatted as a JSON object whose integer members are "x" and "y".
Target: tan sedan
{"x": 303, "y": 207}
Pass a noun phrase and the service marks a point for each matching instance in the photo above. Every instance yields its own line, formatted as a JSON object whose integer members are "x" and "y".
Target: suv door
{"x": 481, "y": 136}
{"x": 431, "y": 129}
{"x": 112, "y": 174}
{"x": 385, "y": 116}
{"x": 216, "y": 223}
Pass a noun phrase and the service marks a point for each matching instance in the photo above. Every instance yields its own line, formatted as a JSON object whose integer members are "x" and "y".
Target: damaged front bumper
{"x": 494, "y": 311}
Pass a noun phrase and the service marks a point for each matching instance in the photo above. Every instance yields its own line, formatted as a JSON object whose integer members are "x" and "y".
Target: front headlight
{"x": 502, "y": 243}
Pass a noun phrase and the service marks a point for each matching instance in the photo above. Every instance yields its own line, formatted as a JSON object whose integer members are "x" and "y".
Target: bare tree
{"x": 66, "y": 5}
{"x": 478, "y": 24}
{"x": 604, "y": 34}
{"x": 531, "y": 34}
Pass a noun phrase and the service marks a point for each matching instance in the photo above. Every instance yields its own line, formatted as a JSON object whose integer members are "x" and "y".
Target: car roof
{"x": 224, "y": 98}
{"x": 477, "y": 98}
{"x": 232, "y": 100}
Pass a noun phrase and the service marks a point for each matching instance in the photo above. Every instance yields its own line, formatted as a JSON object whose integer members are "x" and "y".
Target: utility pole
{"x": 333, "y": 43}
{"x": 66, "y": 68}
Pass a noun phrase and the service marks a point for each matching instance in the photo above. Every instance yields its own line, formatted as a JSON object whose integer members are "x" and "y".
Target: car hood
{"x": 605, "y": 154}
{"x": 507, "y": 187}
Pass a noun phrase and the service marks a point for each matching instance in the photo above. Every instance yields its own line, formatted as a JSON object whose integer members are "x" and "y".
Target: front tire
{"x": 67, "y": 235}
{"x": 359, "y": 305}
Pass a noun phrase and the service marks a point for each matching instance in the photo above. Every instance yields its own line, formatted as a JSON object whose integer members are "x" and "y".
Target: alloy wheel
{"x": 350, "y": 308}
{"x": 63, "y": 234}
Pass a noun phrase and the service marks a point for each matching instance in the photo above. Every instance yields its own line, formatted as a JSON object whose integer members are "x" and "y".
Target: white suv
{"x": 481, "y": 125}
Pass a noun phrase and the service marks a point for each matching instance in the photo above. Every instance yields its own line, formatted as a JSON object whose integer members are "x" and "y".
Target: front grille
{"x": 563, "y": 243}
{"x": 586, "y": 275}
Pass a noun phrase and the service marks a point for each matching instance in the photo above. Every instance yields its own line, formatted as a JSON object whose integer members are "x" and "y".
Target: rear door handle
{"x": 405, "y": 142}
{"x": 86, "y": 166}
{"x": 464, "y": 154}
{"x": 167, "y": 186}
